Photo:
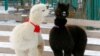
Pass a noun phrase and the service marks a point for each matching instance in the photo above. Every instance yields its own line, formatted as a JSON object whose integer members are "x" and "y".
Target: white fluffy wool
{"x": 23, "y": 38}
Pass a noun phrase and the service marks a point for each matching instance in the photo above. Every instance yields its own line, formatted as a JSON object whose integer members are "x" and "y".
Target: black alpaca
{"x": 66, "y": 40}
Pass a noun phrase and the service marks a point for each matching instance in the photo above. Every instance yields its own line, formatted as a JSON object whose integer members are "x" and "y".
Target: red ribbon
{"x": 37, "y": 27}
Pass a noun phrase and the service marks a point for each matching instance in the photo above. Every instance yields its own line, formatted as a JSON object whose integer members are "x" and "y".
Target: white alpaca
{"x": 24, "y": 40}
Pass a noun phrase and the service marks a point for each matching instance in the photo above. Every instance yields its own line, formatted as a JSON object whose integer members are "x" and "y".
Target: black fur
{"x": 66, "y": 40}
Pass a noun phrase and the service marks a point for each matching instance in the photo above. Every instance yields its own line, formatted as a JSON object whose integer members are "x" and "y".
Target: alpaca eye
{"x": 47, "y": 7}
{"x": 64, "y": 13}
{"x": 43, "y": 10}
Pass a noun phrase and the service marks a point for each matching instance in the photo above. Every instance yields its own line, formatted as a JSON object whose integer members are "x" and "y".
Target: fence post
{"x": 43, "y": 1}
{"x": 54, "y": 3}
{"x": 33, "y": 2}
{"x": 6, "y": 4}
{"x": 93, "y": 9}
{"x": 75, "y": 3}
{"x": 15, "y": 3}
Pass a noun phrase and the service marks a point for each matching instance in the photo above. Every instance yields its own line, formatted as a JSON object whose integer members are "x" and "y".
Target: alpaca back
{"x": 77, "y": 31}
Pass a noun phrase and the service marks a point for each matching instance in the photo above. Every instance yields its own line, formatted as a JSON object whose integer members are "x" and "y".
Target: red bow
{"x": 37, "y": 27}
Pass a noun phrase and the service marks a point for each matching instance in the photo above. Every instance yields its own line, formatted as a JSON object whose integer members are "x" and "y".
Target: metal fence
{"x": 88, "y": 9}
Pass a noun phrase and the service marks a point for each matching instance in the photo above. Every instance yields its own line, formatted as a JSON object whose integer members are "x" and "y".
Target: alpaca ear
{"x": 59, "y": 4}
{"x": 67, "y": 6}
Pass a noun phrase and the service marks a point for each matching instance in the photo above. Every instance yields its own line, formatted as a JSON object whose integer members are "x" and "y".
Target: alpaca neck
{"x": 60, "y": 21}
{"x": 60, "y": 17}
{"x": 35, "y": 18}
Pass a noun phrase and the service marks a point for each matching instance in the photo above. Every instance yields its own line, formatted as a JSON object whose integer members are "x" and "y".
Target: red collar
{"x": 37, "y": 27}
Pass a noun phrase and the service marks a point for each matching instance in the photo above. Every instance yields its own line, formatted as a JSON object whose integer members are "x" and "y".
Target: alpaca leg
{"x": 33, "y": 52}
{"x": 57, "y": 52}
{"x": 20, "y": 53}
{"x": 67, "y": 52}
{"x": 40, "y": 45}
{"x": 78, "y": 53}
{"x": 79, "y": 49}
{"x": 41, "y": 48}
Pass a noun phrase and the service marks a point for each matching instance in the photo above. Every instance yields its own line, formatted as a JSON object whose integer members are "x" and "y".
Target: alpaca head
{"x": 38, "y": 12}
{"x": 62, "y": 10}
{"x": 61, "y": 13}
